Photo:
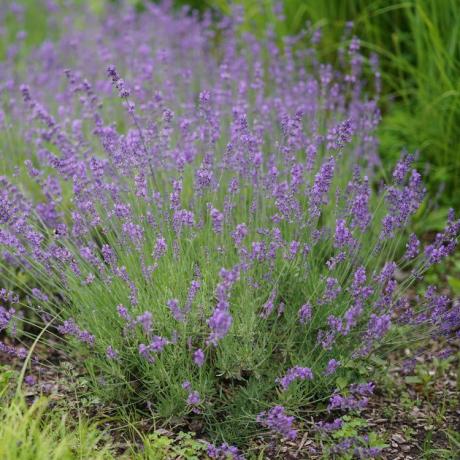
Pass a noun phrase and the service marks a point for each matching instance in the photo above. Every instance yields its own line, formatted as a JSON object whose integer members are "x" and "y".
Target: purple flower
{"x": 183, "y": 218}
{"x": 367, "y": 452}
{"x": 111, "y": 353}
{"x": 295, "y": 373}
{"x": 293, "y": 249}
{"x": 69, "y": 327}
{"x": 156, "y": 346}
{"x": 339, "y": 402}
{"x": 5, "y": 317}
{"x": 39, "y": 295}
{"x": 160, "y": 247}
{"x": 340, "y": 135}
{"x": 412, "y": 247}
{"x": 123, "y": 312}
{"x": 194, "y": 398}
{"x": 332, "y": 366}
{"x": 362, "y": 389}
{"x": 304, "y": 313}
{"x": 352, "y": 316}
{"x": 217, "y": 219}
{"x": 278, "y": 421}
{"x": 402, "y": 169}
{"x": 239, "y": 234}
{"x": 146, "y": 321}
{"x": 378, "y": 326}
{"x": 20, "y": 352}
{"x": 358, "y": 289}
{"x": 173, "y": 306}
{"x": 334, "y": 261}
{"x": 198, "y": 357}
{"x": 402, "y": 201}
{"x": 445, "y": 242}
{"x": 331, "y": 290}
{"x": 219, "y": 324}
{"x": 224, "y": 452}
{"x": 117, "y": 82}
{"x": 30, "y": 380}
{"x": 134, "y": 232}
{"x": 192, "y": 292}
{"x": 343, "y": 236}
{"x": 268, "y": 306}
{"x": 359, "y": 204}
{"x": 322, "y": 182}
{"x": 329, "y": 427}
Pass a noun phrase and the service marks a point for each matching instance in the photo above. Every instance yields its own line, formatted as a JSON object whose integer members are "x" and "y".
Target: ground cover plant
{"x": 196, "y": 212}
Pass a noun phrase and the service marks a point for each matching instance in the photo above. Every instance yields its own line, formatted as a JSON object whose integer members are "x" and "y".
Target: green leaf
{"x": 341, "y": 382}
{"x": 379, "y": 361}
{"x": 454, "y": 283}
{"x": 413, "y": 379}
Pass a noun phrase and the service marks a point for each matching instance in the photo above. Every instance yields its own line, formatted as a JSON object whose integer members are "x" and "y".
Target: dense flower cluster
{"x": 278, "y": 421}
{"x": 207, "y": 216}
{"x": 295, "y": 373}
{"x": 356, "y": 400}
{"x": 223, "y": 452}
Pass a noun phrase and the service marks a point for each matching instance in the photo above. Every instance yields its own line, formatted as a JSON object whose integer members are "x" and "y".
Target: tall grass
{"x": 32, "y": 433}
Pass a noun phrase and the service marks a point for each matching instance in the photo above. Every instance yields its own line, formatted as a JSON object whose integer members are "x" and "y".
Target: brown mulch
{"x": 411, "y": 416}
{"x": 418, "y": 410}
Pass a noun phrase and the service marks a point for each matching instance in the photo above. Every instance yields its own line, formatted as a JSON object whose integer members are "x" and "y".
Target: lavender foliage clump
{"x": 208, "y": 214}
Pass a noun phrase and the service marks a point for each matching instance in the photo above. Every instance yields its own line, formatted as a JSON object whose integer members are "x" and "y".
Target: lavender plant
{"x": 203, "y": 224}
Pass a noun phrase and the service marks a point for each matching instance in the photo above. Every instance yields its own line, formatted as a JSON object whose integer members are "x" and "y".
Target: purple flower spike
{"x": 278, "y": 421}
{"x": 343, "y": 236}
{"x": 177, "y": 313}
{"x": 198, "y": 357}
{"x": 193, "y": 398}
{"x": 295, "y": 373}
{"x": 304, "y": 313}
{"x": 329, "y": 427}
{"x": 224, "y": 452}
{"x": 331, "y": 367}
{"x": 219, "y": 324}
{"x": 111, "y": 353}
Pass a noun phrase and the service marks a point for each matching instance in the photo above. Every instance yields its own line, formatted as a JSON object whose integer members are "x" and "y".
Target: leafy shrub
{"x": 223, "y": 254}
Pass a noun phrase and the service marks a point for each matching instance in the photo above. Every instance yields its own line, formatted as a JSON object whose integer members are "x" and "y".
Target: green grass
{"x": 451, "y": 451}
{"x": 35, "y": 433}
{"x": 41, "y": 430}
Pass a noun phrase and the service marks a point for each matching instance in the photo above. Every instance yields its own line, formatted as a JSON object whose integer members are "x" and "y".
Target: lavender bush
{"x": 200, "y": 218}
